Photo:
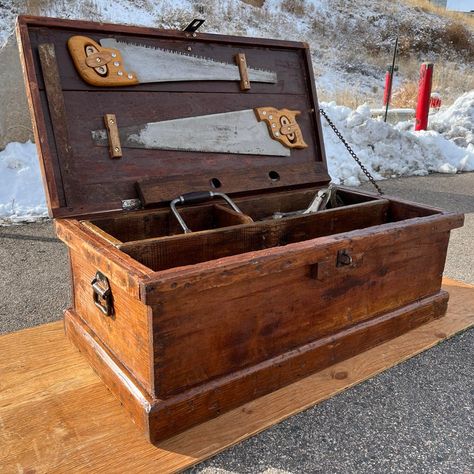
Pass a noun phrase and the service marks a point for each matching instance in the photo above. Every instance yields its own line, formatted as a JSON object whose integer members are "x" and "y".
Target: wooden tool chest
{"x": 183, "y": 326}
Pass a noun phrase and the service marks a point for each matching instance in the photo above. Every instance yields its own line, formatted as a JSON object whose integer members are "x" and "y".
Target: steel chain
{"x": 351, "y": 151}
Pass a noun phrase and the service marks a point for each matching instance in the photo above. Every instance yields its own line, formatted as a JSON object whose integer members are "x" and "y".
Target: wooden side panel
{"x": 122, "y": 384}
{"x": 127, "y": 332}
{"x": 215, "y": 398}
{"x": 123, "y": 270}
{"x": 239, "y": 268}
{"x": 213, "y": 332}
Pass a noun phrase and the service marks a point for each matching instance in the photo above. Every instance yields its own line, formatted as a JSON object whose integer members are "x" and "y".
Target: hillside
{"x": 351, "y": 42}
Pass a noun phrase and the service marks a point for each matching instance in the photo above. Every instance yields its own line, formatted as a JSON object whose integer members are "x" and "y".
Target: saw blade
{"x": 161, "y": 65}
{"x": 231, "y": 132}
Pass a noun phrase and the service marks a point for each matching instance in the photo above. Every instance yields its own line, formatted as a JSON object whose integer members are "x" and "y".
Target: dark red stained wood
{"x": 257, "y": 319}
{"x": 49, "y": 163}
{"x": 92, "y": 182}
{"x": 218, "y": 396}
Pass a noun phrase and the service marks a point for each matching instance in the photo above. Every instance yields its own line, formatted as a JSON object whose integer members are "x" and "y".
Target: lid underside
{"x": 81, "y": 178}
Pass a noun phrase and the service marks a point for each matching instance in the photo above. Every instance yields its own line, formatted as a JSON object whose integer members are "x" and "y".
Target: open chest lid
{"x": 236, "y": 152}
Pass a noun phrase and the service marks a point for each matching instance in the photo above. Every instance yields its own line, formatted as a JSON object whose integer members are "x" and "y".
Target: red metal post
{"x": 424, "y": 94}
{"x": 388, "y": 88}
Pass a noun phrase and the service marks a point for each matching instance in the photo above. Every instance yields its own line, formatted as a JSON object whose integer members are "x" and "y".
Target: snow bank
{"x": 457, "y": 122}
{"x": 390, "y": 151}
{"x": 21, "y": 190}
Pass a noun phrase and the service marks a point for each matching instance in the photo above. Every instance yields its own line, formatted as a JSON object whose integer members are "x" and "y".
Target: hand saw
{"x": 114, "y": 63}
{"x": 260, "y": 131}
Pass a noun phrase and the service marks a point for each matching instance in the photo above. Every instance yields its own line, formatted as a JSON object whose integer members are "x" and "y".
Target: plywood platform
{"x": 57, "y": 416}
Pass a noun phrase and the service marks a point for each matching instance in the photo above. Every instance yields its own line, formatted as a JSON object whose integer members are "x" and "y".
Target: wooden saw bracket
{"x": 115, "y": 149}
{"x": 241, "y": 61}
{"x": 282, "y": 126}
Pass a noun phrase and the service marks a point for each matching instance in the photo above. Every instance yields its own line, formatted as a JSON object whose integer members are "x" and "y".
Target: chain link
{"x": 351, "y": 151}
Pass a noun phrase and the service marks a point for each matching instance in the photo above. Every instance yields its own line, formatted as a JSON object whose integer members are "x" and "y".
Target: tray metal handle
{"x": 198, "y": 197}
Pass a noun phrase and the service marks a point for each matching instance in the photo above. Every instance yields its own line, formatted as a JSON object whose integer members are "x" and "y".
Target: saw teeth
{"x": 183, "y": 53}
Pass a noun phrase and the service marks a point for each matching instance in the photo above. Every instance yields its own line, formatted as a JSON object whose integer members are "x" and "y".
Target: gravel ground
{"x": 415, "y": 418}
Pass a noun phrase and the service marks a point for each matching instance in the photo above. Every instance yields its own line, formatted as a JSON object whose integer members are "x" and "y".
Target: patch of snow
{"x": 389, "y": 151}
{"x": 457, "y": 121}
{"x": 22, "y": 197}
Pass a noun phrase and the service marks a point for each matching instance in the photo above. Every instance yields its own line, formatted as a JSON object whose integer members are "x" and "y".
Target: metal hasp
{"x": 102, "y": 294}
{"x": 343, "y": 258}
{"x": 196, "y": 198}
{"x": 194, "y": 25}
{"x": 261, "y": 131}
{"x": 115, "y": 63}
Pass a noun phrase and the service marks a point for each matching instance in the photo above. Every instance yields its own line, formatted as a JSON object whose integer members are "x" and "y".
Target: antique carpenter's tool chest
{"x": 211, "y": 260}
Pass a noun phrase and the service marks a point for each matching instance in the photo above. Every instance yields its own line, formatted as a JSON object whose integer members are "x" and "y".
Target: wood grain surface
{"x": 57, "y": 416}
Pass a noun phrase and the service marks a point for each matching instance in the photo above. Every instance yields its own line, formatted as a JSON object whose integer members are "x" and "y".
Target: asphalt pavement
{"x": 417, "y": 417}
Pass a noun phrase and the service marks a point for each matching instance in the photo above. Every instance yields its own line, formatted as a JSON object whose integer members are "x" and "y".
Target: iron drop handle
{"x": 198, "y": 197}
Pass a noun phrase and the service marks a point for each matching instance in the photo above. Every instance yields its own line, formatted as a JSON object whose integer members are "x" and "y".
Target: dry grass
{"x": 448, "y": 80}
{"x": 297, "y": 7}
{"x": 458, "y": 17}
{"x": 348, "y": 97}
{"x": 405, "y": 96}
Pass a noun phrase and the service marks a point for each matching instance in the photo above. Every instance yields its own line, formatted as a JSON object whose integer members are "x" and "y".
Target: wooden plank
{"x": 118, "y": 266}
{"x": 56, "y": 106}
{"x": 56, "y": 415}
{"x": 242, "y": 267}
{"x": 186, "y": 249}
{"x": 101, "y": 233}
{"x": 49, "y": 165}
{"x": 126, "y": 332}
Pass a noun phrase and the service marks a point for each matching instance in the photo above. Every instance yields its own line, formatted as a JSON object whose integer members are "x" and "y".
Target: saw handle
{"x": 99, "y": 66}
{"x": 198, "y": 197}
{"x": 282, "y": 126}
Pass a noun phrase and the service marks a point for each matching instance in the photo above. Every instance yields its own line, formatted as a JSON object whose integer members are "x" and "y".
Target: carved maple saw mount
{"x": 259, "y": 131}
{"x": 113, "y": 63}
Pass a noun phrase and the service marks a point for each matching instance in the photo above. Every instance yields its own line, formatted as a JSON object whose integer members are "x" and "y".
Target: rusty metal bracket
{"x": 115, "y": 148}
{"x": 244, "y": 75}
{"x": 102, "y": 294}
